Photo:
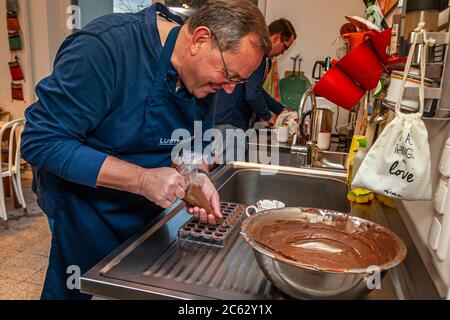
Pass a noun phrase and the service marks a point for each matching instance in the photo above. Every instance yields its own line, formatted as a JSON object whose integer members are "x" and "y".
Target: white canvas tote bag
{"x": 398, "y": 164}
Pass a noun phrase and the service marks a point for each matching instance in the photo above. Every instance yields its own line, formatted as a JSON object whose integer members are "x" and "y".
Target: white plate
{"x": 290, "y": 119}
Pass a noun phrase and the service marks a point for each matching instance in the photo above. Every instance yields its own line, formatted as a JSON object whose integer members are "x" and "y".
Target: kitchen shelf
{"x": 441, "y": 115}
{"x": 442, "y": 38}
{"x": 430, "y": 93}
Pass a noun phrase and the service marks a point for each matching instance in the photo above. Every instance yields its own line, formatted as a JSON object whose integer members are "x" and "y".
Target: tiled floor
{"x": 24, "y": 250}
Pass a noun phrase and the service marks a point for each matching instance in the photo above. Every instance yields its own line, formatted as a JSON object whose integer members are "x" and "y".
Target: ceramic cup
{"x": 324, "y": 140}
{"x": 282, "y": 134}
{"x": 262, "y": 205}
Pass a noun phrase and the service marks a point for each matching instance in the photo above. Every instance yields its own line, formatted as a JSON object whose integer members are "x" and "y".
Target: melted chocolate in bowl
{"x": 333, "y": 244}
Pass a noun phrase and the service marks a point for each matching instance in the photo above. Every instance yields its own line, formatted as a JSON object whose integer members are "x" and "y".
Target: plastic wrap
{"x": 188, "y": 166}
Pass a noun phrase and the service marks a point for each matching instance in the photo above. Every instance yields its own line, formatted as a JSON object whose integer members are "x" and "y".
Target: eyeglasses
{"x": 231, "y": 81}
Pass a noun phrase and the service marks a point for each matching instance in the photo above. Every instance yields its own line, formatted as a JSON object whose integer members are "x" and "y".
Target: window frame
{"x": 262, "y": 5}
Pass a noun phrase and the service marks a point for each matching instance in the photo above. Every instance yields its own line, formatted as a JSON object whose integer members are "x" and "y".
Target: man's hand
{"x": 212, "y": 196}
{"x": 163, "y": 186}
{"x": 272, "y": 121}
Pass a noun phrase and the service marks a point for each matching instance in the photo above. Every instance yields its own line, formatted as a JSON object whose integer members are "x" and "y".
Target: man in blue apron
{"x": 100, "y": 135}
{"x": 234, "y": 111}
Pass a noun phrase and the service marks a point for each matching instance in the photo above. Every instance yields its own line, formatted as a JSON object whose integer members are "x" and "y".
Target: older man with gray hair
{"x": 119, "y": 88}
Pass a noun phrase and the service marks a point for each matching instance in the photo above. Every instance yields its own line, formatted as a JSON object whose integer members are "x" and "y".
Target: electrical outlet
{"x": 441, "y": 197}
{"x": 444, "y": 240}
{"x": 435, "y": 233}
{"x": 444, "y": 165}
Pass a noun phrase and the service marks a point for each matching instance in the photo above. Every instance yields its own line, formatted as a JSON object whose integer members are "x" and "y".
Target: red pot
{"x": 339, "y": 88}
{"x": 381, "y": 41}
{"x": 355, "y": 38}
{"x": 363, "y": 66}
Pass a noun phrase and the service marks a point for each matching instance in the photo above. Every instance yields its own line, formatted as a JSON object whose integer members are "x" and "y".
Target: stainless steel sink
{"x": 156, "y": 265}
{"x": 284, "y": 158}
{"x": 247, "y": 186}
{"x": 331, "y": 160}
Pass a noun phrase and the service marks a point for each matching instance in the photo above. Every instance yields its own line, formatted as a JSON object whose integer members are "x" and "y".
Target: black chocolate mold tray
{"x": 195, "y": 231}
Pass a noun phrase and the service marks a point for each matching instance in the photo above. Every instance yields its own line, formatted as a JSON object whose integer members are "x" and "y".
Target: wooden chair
{"x": 10, "y": 134}
{"x": 5, "y": 117}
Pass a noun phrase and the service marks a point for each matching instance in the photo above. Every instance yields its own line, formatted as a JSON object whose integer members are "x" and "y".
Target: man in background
{"x": 234, "y": 111}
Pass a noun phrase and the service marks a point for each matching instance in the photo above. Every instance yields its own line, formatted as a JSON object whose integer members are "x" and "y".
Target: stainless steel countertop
{"x": 154, "y": 265}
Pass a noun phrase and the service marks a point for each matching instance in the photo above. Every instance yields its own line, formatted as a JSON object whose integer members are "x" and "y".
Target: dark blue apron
{"x": 88, "y": 223}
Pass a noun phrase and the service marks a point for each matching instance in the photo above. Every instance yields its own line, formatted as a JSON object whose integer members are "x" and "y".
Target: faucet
{"x": 309, "y": 148}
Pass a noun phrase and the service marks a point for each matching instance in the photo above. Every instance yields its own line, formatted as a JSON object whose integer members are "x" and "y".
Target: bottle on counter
{"x": 359, "y": 156}
{"x": 351, "y": 155}
{"x": 359, "y": 195}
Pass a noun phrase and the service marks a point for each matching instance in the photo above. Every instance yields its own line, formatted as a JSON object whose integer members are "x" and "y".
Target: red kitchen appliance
{"x": 360, "y": 70}
{"x": 337, "y": 87}
{"x": 363, "y": 66}
{"x": 355, "y": 38}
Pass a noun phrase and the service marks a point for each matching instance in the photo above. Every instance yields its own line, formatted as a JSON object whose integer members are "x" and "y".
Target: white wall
{"x": 317, "y": 23}
{"x": 422, "y": 213}
{"x": 56, "y": 24}
{"x": 38, "y": 18}
{"x": 17, "y": 107}
{"x": 47, "y": 20}
{"x": 43, "y": 30}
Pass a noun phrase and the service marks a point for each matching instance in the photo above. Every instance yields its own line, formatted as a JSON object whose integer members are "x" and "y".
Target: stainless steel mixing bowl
{"x": 303, "y": 282}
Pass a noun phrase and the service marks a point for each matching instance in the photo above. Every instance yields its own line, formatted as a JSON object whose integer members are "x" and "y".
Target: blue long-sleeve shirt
{"x": 237, "y": 108}
{"x": 112, "y": 92}
{"x": 94, "y": 102}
